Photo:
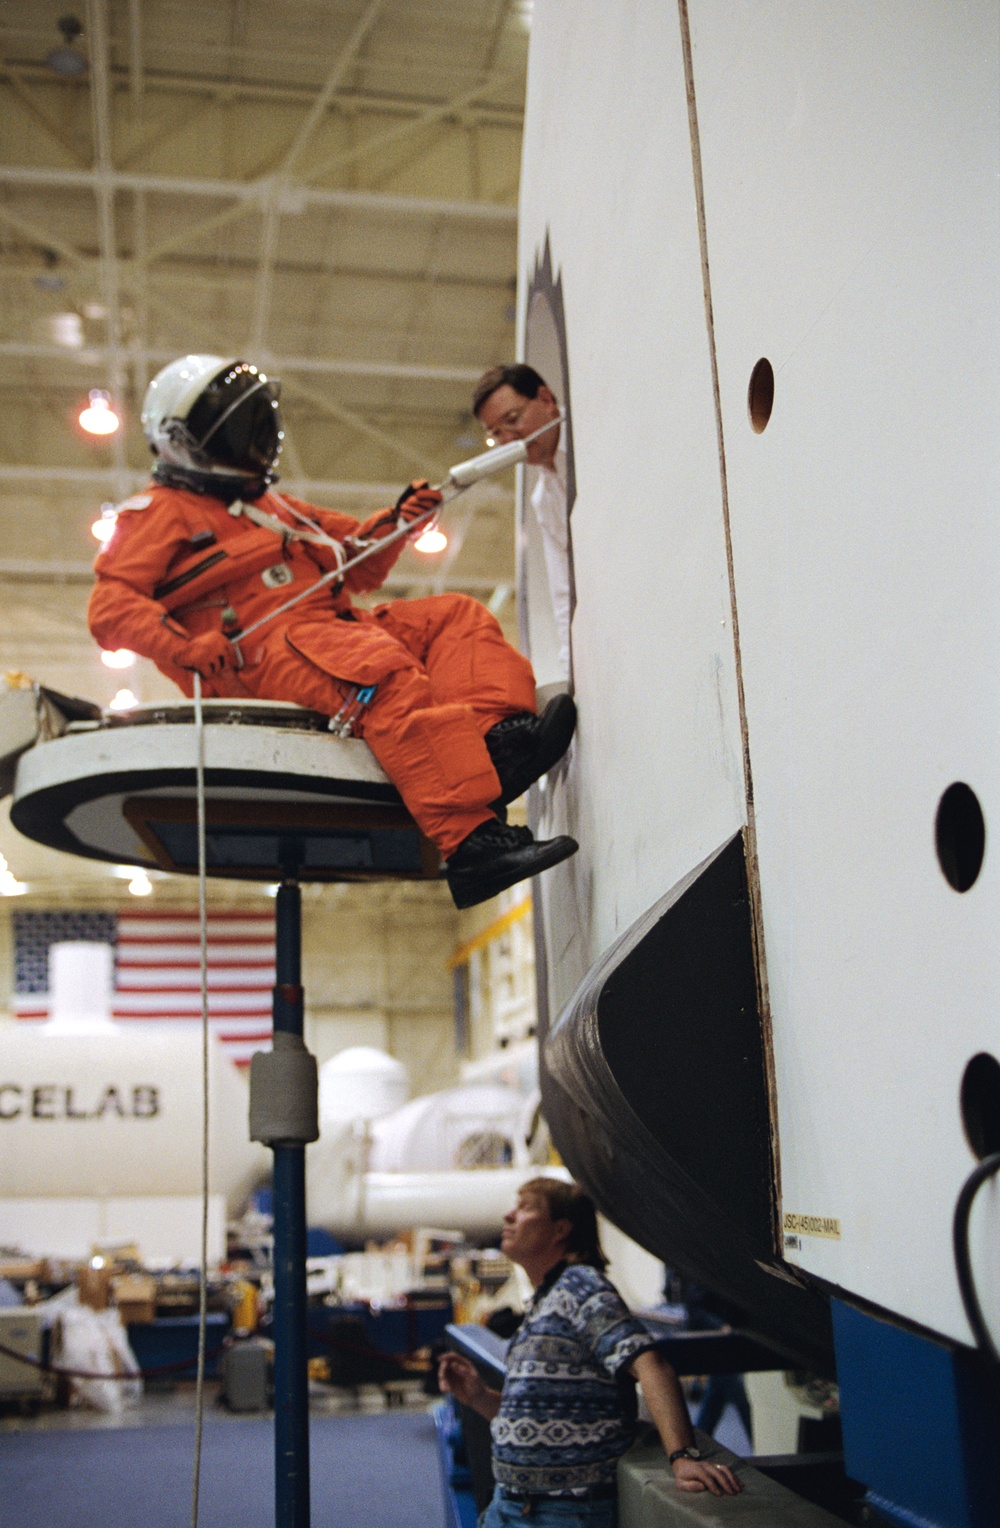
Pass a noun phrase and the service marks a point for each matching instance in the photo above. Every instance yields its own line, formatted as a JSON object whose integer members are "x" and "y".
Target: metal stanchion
{"x": 283, "y": 1114}
{"x": 291, "y": 1383}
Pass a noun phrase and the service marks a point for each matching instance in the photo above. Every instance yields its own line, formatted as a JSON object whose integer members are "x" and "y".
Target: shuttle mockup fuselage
{"x": 759, "y": 258}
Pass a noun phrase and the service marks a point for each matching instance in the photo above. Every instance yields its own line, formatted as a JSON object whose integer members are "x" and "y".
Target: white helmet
{"x": 214, "y": 426}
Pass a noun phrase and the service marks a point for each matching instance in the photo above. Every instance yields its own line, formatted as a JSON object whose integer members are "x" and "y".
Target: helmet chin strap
{"x": 227, "y": 486}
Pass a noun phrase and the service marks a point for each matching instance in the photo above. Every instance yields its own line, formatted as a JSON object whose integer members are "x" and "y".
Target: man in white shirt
{"x": 511, "y": 402}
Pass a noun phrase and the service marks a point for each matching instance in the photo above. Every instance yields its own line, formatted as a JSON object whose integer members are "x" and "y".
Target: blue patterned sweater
{"x": 568, "y": 1409}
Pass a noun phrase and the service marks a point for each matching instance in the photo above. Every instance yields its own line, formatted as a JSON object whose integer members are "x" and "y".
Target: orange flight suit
{"x": 181, "y": 564}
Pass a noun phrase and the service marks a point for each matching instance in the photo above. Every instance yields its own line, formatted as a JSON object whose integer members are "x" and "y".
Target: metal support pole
{"x": 291, "y": 1384}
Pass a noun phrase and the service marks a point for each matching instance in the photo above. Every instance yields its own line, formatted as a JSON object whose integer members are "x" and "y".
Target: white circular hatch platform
{"x": 283, "y": 796}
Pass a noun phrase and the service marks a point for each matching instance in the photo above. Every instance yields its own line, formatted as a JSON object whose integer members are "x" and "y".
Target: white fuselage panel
{"x": 850, "y": 165}
{"x": 849, "y": 159}
{"x": 655, "y": 780}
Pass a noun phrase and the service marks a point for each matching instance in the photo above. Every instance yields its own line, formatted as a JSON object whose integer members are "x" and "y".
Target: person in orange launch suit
{"x": 209, "y": 548}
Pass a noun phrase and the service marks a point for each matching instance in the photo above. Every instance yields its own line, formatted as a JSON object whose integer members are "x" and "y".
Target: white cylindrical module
{"x": 470, "y": 1201}
{"x": 361, "y": 1083}
{"x": 118, "y": 1116}
{"x": 81, "y": 981}
{"x": 474, "y": 1125}
{"x": 382, "y": 1204}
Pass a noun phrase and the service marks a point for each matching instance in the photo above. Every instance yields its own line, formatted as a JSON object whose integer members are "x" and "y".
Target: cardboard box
{"x": 18, "y": 1269}
{"x": 135, "y": 1296}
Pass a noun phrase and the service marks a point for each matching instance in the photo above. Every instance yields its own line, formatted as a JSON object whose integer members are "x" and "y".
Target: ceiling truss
{"x": 333, "y": 197}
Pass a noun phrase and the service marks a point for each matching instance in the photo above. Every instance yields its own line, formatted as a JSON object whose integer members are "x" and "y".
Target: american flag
{"x": 157, "y": 969}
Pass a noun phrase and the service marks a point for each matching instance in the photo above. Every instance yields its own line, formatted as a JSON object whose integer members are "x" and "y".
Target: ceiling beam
{"x": 162, "y": 82}
{"x": 264, "y": 282}
{"x": 100, "y": 103}
{"x": 236, "y": 273}
{"x": 39, "y": 570}
{"x": 140, "y": 294}
{"x": 42, "y": 238}
{"x": 284, "y": 168}
{"x": 32, "y": 104}
{"x": 361, "y": 426}
{"x": 332, "y": 86}
{"x": 496, "y": 34}
{"x": 428, "y": 116}
{"x": 188, "y": 116}
{"x": 102, "y": 477}
{"x": 395, "y": 371}
{"x": 295, "y": 198}
{"x": 99, "y": 479}
{"x": 135, "y": 75}
{"x": 276, "y": 194}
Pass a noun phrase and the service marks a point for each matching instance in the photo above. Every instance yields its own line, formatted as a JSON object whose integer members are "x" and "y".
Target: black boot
{"x": 495, "y": 856}
{"x": 524, "y": 747}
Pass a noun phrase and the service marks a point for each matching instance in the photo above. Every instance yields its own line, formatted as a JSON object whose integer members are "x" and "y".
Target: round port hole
{"x": 960, "y": 836}
{"x": 760, "y": 395}
{"x": 980, "y": 1104}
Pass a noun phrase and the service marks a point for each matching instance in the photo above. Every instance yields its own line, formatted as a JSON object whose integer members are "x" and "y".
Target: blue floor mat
{"x": 366, "y": 1472}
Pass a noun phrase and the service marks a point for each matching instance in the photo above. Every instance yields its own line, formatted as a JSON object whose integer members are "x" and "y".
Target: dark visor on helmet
{"x": 235, "y": 422}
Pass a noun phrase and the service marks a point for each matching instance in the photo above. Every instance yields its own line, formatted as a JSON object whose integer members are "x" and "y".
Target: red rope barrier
{"x": 37, "y": 1363}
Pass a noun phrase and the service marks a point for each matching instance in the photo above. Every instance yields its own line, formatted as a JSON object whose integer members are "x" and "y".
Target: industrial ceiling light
{"x": 119, "y": 658}
{"x": 99, "y": 418}
{"x": 66, "y": 60}
{"x": 123, "y": 700}
{"x": 140, "y": 885}
{"x": 104, "y": 528}
{"x": 67, "y": 329}
{"x": 433, "y": 540}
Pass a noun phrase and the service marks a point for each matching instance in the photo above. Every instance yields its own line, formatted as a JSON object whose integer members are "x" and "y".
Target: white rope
{"x": 279, "y": 527}
{"x": 316, "y": 533}
{"x": 199, "y": 1405}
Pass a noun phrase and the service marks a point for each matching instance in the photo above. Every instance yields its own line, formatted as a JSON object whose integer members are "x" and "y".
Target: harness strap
{"x": 269, "y": 522}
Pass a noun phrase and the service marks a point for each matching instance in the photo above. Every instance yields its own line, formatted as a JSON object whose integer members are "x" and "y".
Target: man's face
{"x": 530, "y": 1236}
{"x": 507, "y": 415}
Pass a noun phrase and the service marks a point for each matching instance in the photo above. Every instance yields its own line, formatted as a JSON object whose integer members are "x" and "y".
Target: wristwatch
{"x": 684, "y": 1453}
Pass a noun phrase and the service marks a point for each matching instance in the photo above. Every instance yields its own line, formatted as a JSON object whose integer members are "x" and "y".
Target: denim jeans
{"x": 550, "y": 1512}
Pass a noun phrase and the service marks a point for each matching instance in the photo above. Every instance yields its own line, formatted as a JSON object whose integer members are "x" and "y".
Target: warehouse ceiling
{"x": 325, "y": 187}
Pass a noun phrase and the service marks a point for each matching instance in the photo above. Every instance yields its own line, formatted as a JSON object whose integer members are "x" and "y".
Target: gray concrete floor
{"x": 177, "y": 1405}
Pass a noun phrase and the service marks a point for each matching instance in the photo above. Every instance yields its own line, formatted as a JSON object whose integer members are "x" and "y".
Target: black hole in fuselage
{"x": 980, "y": 1103}
{"x": 760, "y": 395}
{"x": 960, "y": 836}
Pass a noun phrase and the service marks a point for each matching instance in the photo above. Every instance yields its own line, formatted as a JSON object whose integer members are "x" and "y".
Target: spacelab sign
{"x": 52, "y": 1101}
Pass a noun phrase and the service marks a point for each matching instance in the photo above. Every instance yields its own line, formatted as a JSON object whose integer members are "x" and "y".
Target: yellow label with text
{"x": 811, "y": 1225}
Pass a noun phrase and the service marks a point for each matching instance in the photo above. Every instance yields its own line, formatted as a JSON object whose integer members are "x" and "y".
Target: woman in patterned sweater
{"x": 567, "y": 1411}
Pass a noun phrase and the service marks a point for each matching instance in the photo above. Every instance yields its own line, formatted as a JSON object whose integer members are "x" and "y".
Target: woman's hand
{"x": 701, "y": 1475}
{"x": 460, "y": 1378}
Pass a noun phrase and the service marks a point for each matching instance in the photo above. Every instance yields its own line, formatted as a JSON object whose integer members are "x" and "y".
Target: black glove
{"x": 417, "y": 499}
